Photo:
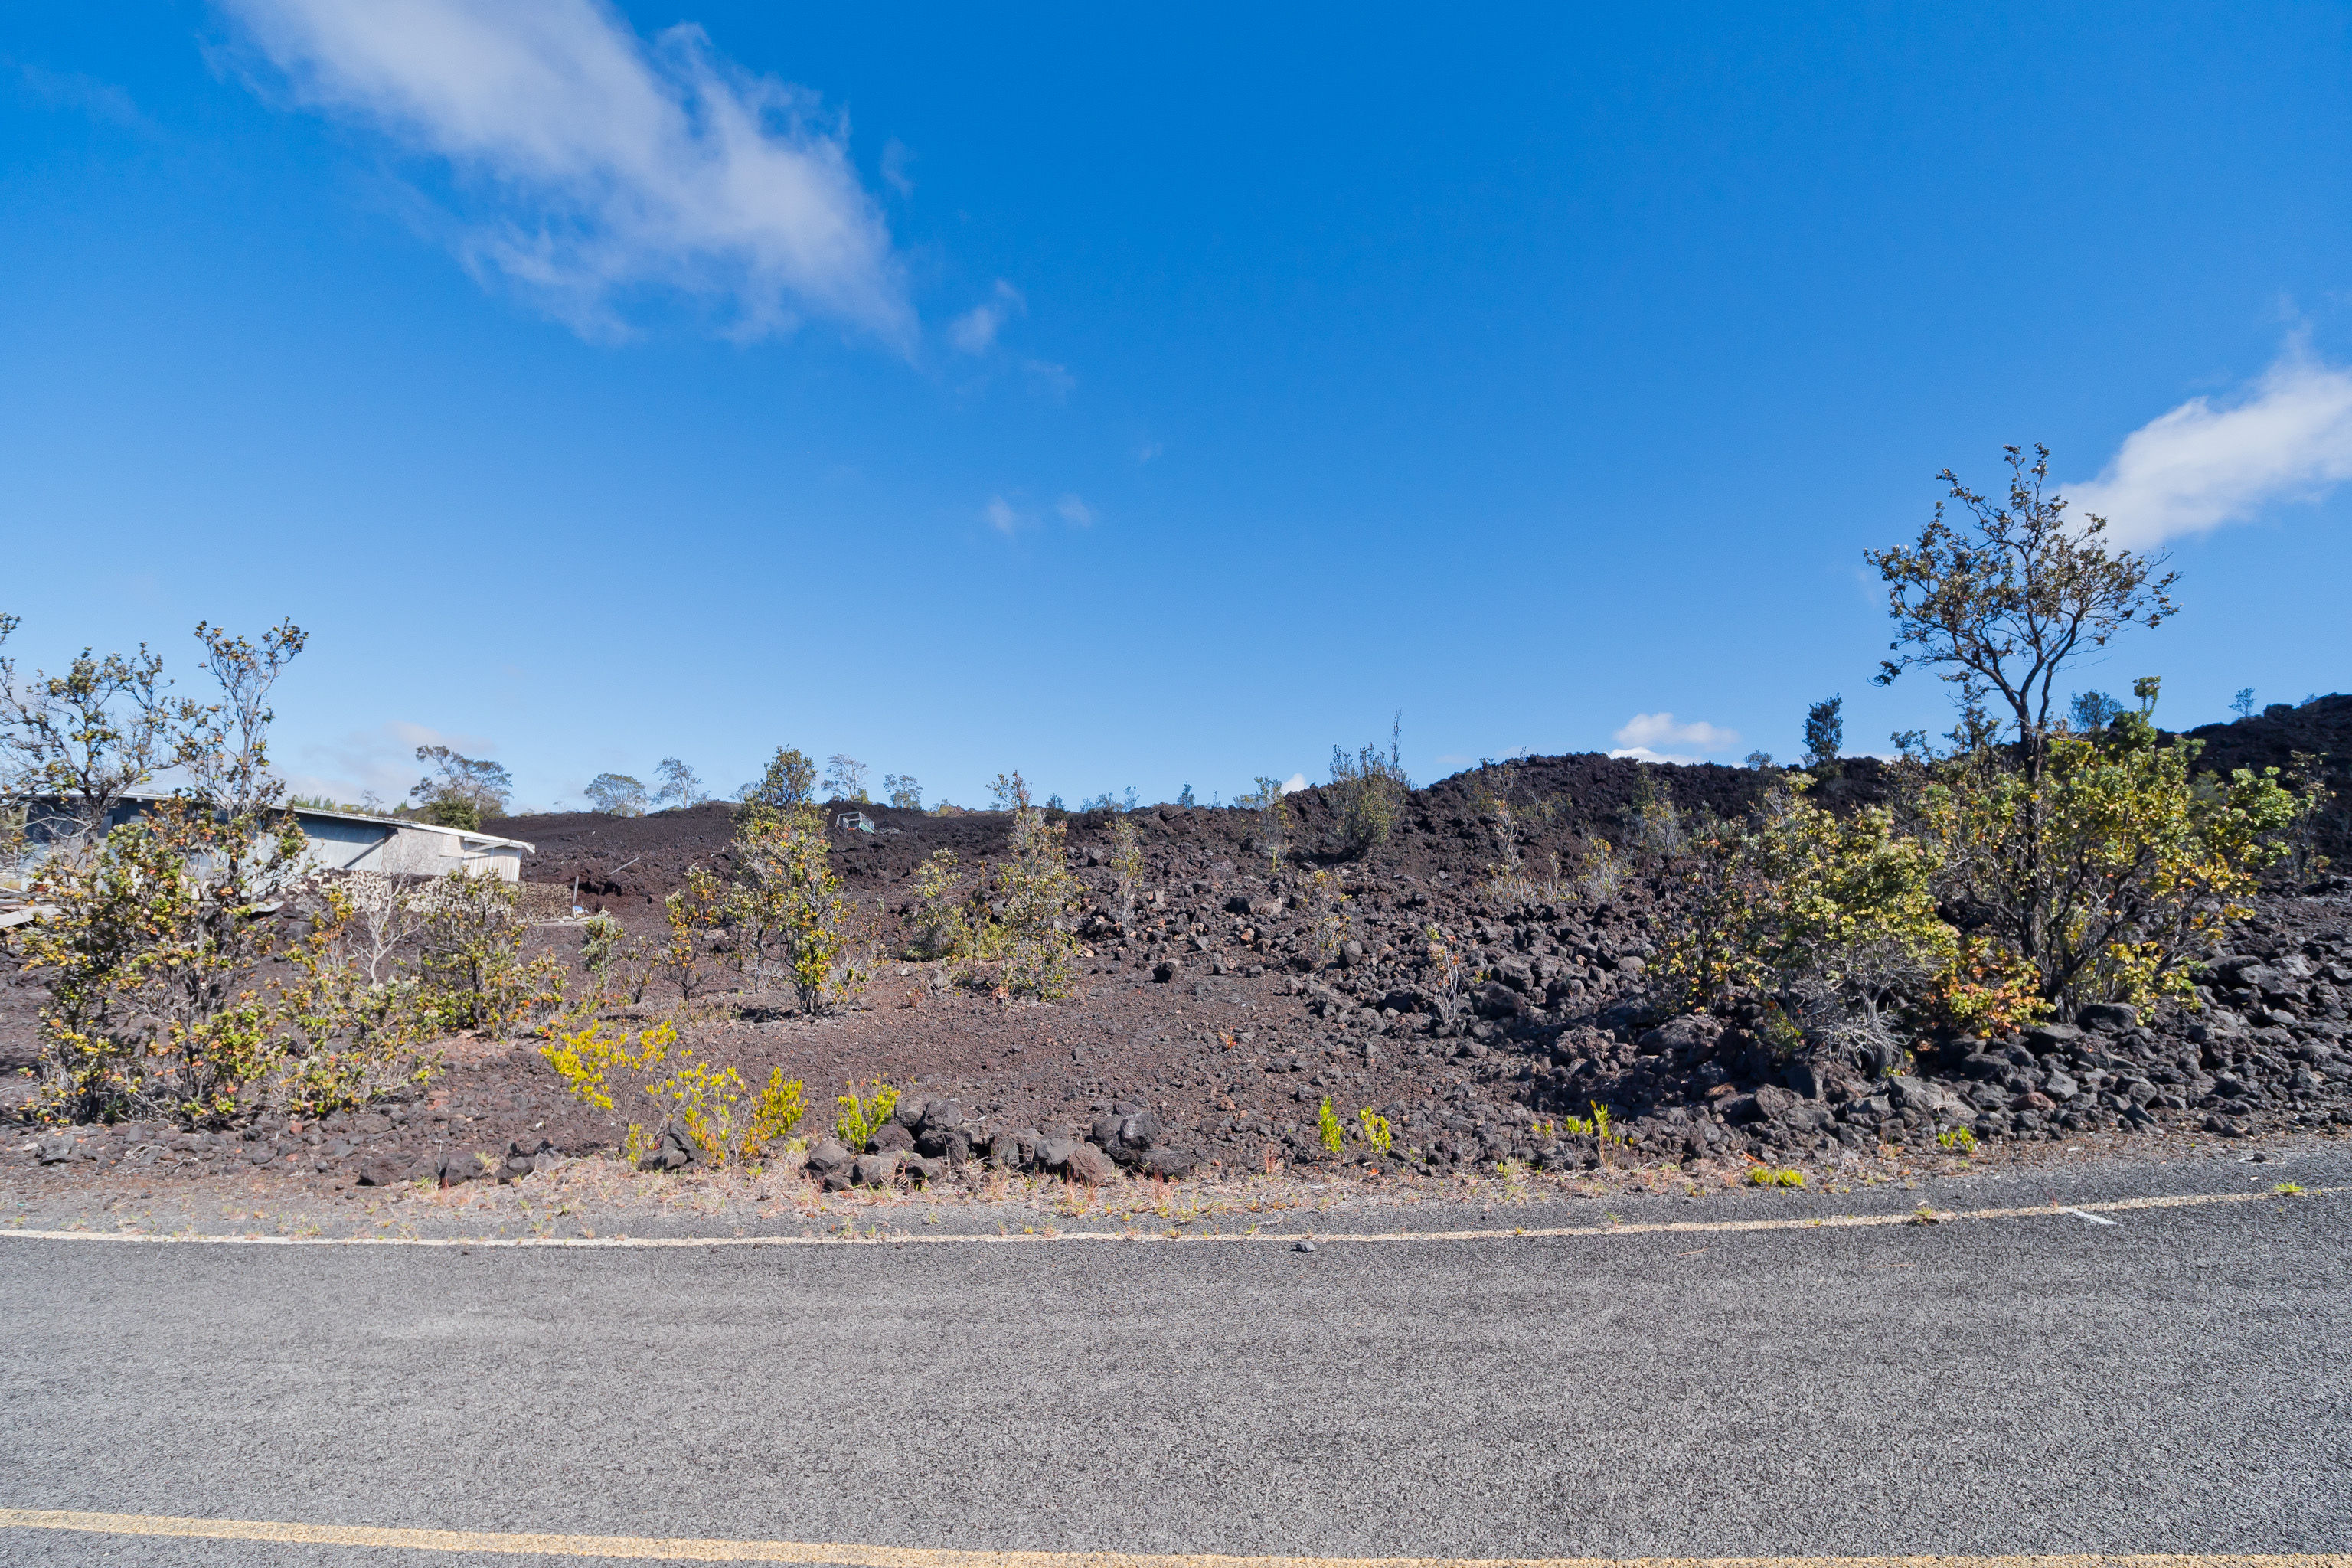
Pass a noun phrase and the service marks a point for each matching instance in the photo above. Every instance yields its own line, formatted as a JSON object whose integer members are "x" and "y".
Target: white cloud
{"x": 975, "y": 332}
{"x": 1294, "y": 783}
{"x": 2287, "y": 437}
{"x": 1076, "y": 513}
{"x": 999, "y": 516}
{"x": 1641, "y": 737}
{"x": 380, "y": 761}
{"x": 602, "y": 163}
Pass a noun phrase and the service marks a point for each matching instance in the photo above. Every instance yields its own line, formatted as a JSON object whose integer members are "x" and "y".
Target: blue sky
{"x": 1146, "y": 399}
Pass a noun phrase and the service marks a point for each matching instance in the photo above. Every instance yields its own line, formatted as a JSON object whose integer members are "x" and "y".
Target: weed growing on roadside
{"x": 1376, "y": 1129}
{"x": 1959, "y": 1141}
{"x": 1326, "y": 1122}
{"x": 706, "y": 1104}
{"x": 2288, "y": 1189}
{"x": 861, "y": 1116}
{"x": 1767, "y": 1176}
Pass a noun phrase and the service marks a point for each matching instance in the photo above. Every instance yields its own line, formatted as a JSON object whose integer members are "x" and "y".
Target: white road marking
{"x": 1170, "y": 1237}
{"x": 854, "y": 1555}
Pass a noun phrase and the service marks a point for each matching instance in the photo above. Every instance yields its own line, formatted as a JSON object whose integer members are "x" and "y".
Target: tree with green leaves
{"x": 617, "y": 794}
{"x": 461, "y": 791}
{"x": 1824, "y": 733}
{"x": 78, "y": 743}
{"x": 790, "y": 779}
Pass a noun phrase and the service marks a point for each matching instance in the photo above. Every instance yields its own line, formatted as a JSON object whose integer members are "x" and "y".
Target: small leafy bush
{"x": 1327, "y": 912}
{"x": 1327, "y": 1121}
{"x": 707, "y": 1105}
{"x": 789, "y": 913}
{"x": 1958, "y": 1140}
{"x": 1369, "y": 793}
{"x": 1769, "y": 1176}
{"x": 1271, "y": 836}
{"x": 1376, "y": 1129}
{"x": 862, "y": 1115}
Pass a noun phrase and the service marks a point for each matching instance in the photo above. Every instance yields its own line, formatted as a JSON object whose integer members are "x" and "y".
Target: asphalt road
{"x": 2178, "y": 1381}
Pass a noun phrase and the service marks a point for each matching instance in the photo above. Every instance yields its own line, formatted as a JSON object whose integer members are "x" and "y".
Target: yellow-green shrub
{"x": 706, "y": 1104}
{"x": 861, "y": 1116}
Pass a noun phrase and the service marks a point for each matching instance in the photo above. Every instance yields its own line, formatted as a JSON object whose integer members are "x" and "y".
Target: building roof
{"x": 407, "y": 823}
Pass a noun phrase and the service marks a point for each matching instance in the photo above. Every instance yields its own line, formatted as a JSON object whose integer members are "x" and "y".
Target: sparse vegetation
{"x": 1775, "y": 1176}
{"x": 1325, "y": 897}
{"x": 1328, "y": 1126}
{"x": 863, "y": 1112}
{"x": 1272, "y": 837}
{"x": 470, "y": 962}
{"x": 1369, "y": 793}
{"x": 1126, "y": 868}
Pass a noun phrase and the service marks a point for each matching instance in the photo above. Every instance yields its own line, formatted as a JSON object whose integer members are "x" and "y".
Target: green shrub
{"x": 1272, "y": 834}
{"x": 790, "y": 780}
{"x": 1127, "y": 867}
{"x": 470, "y": 963}
{"x": 1369, "y": 794}
{"x": 1327, "y": 1121}
{"x": 862, "y": 1115}
{"x": 790, "y": 905}
{"x": 1376, "y": 1129}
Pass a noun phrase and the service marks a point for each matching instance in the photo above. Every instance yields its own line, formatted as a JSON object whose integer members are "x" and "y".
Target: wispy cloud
{"x": 596, "y": 163}
{"x": 975, "y": 332}
{"x": 1643, "y": 735}
{"x": 896, "y": 156}
{"x": 1002, "y": 515}
{"x": 381, "y": 761}
{"x": 71, "y": 89}
{"x": 1076, "y": 513}
{"x": 2285, "y": 437}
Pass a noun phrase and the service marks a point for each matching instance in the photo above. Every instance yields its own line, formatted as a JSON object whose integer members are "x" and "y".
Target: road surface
{"x": 2174, "y": 1380}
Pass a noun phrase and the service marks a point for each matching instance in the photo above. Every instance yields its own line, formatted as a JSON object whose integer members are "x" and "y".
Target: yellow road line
{"x": 901, "y": 1238}
{"x": 668, "y": 1549}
